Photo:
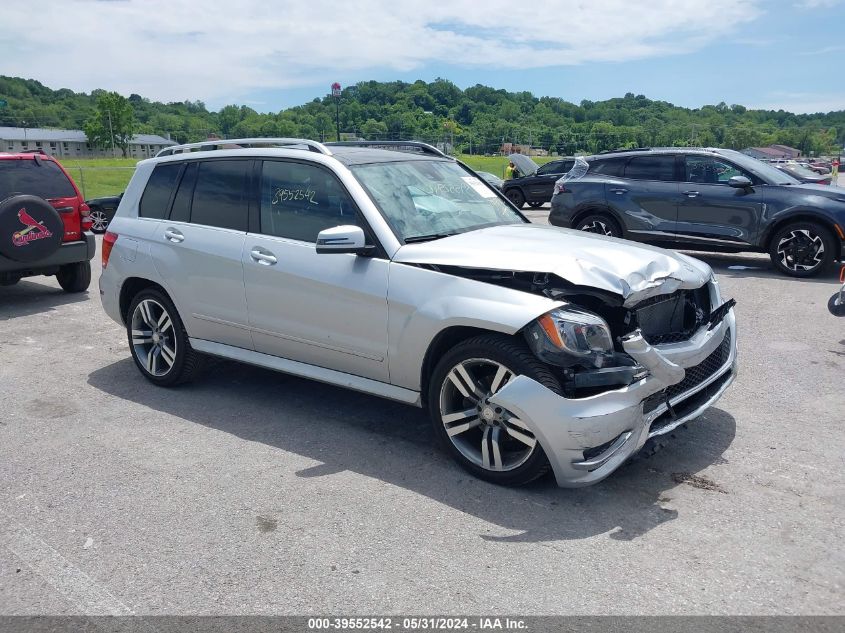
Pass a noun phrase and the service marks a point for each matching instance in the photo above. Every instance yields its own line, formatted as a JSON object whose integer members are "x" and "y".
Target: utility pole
{"x": 336, "y": 96}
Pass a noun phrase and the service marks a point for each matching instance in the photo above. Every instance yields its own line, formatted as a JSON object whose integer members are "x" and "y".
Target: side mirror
{"x": 739, "y": 182}
{"x": 342, "y": 239}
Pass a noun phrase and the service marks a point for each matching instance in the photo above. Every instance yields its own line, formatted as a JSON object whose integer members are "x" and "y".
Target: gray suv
{"x": 406, "y": 276}
{"x": 705, "y": 199}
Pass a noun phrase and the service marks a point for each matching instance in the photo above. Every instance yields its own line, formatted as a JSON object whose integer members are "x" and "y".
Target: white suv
{"x": 396, "y": 271}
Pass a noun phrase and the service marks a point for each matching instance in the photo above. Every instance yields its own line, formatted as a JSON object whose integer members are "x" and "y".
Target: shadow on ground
{"x": 391, "y": 442}
{"x": 759, "y": 266}
{"x": 26, "y": 298}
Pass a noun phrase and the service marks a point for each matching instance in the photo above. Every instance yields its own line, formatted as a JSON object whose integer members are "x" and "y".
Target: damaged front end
{"x": 628, "y": 374}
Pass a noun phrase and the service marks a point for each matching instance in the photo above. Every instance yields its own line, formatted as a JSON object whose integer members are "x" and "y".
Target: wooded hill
{"x": 477, "y": 120}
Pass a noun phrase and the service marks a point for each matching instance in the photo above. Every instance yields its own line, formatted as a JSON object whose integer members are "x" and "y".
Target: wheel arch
{"x": 598, "y": 208}
{"x": 803, "y": 216}
{"x": 439, "y": 345}
{"x": 131, "y": 287}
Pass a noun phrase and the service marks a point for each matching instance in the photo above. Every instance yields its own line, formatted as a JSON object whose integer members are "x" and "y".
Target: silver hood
{"x": 634, "y": 271}
{"x": 525, "y": 165}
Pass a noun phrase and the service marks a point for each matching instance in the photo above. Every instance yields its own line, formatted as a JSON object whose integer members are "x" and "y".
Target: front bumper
{"x": 586, "y": 439}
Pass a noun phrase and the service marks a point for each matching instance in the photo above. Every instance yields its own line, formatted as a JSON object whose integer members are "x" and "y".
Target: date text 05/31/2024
{"x": 416, "y": 624}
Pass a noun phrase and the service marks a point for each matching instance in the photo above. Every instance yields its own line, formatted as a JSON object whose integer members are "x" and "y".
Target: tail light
{"x": 108, "y": 243}
{"x": 561, "y": 188}
{"x": 85, "y": 217}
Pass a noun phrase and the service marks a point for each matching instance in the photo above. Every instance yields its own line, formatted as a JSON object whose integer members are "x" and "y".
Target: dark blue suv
{"x": 705, "y": 199}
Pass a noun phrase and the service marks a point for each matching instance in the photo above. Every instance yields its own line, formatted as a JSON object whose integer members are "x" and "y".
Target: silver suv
{"x": 396, "y": 271}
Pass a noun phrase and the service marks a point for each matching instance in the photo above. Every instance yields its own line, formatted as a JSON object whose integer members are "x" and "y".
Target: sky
{"x": 271, "y": 55}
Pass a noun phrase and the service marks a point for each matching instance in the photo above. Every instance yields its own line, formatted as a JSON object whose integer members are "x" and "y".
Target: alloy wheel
{"x": 597, "y": 226}
{"x": 486, "y": 434}
{"x": 99, "y": 220}
{"x": 801, "y": 250}
{"x": 153, "y": 337}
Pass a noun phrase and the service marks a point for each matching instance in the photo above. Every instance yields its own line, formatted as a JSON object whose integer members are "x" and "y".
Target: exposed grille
{"x": 694, "y": 375}
{"x": 673, "y": 318}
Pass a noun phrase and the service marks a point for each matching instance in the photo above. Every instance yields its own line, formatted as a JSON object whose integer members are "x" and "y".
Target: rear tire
{"x": 486, "y": 440}
{"x": 158, "y": 341}
{"x": 836, "y": 309}
{"x": 516, "y": 197}
{"x": 802, "y": 249}
{"x": 75, "y": 277}
{"x": 599, "y": 223}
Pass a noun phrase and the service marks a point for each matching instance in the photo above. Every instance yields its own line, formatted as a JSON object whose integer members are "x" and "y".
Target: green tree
{"x": 112, "y": 124}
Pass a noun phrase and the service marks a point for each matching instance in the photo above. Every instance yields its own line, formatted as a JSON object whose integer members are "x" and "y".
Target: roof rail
{"x": 238, "y": 143}
{"x": 626, "y": 149}
{"x": 413, "y": 147}
{"x": 34, "y": 151}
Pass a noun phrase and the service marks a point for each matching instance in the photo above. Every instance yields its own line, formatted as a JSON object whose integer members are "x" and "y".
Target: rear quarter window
{"x": 42, "y": 178}
{"x": 159, "y": 189}
{"x": 656, "y": 167}
{"x": 609, "y": 167}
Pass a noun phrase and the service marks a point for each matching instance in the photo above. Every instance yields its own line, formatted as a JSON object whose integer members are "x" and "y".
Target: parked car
{"x": 102, "y": 211}
{"x": 491, "y": 179}
{"x": 405, "y": 276}
{"x": 44, "y": 223}
{"x": 536, "y": 184}
{"x": 804, "y": 174}
{"x": 706, "y": 199}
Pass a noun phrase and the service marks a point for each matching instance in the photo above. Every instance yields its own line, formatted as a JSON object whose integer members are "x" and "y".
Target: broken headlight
{"x": 571, "y": 336}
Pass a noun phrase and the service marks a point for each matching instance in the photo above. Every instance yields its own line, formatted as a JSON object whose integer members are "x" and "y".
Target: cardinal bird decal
{"x": 34, "y": 230}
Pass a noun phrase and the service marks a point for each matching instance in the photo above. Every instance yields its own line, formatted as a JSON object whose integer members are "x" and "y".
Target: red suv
{"x": 44, "y": 223}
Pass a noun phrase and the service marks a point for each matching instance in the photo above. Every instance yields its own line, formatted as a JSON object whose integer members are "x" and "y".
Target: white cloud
{"x": 216, "y": 50}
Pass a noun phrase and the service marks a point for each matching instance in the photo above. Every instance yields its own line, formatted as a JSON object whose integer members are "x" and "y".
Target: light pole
{"x": 336, "y": 96}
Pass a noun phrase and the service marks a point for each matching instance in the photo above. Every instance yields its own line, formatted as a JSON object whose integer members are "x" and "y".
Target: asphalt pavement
{"x": 253, "y": 492}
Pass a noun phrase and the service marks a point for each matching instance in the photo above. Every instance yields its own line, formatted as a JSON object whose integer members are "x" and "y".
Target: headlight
{"x": 569, "y": 336}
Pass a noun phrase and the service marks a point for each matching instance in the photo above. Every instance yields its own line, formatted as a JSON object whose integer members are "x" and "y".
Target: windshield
{"x": 801, "y": 172}
{"x": 427, "y": 199}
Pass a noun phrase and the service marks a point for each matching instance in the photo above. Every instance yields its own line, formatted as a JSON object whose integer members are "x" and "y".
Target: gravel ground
{"x": 251, "y": 492}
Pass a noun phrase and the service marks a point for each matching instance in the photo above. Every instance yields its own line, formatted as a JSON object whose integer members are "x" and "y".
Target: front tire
{"x": 802, "y": 249}
{"x": 488, "y": 441}
{"x": 99, "y": 220}
{"x": 74, "y": 277}
{"x": 158, "y": 341}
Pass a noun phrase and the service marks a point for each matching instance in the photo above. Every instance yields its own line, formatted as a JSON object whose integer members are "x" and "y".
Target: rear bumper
{"x": 68, "y": 253}
{"x": 586, "y": 439}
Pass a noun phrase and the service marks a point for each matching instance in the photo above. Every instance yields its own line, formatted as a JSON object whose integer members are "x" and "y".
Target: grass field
{"x": 97, "y": 177}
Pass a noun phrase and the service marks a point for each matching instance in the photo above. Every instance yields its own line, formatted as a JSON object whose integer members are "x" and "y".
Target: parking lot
{"x": 252, "y": 492}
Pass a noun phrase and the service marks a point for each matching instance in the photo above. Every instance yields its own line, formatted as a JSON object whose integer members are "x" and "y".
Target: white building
{"x": 74, "y": 143}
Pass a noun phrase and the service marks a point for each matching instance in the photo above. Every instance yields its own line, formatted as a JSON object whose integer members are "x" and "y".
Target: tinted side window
{"x": 555, "y": 167}
{"x": 651, "y": 168}
{"x": 42, "y": 178}
{"x": 298, "y": 201}
{"x": 159, "y": 188}
{"x": 181, "y": 211}
{"x": 221, "y": 195}
{"x": 709, "y": 170}
{"x": 608, "y": 167}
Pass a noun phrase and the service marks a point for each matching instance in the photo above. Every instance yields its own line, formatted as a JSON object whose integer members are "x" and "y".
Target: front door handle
{"x": 266, "y": 258}
{"x": 691, "y": 194}
{"x": 173, "y": 235}
{"x": 619, "y": 191}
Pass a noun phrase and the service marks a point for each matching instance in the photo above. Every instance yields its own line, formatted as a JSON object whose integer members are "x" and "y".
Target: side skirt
{"x": 329, "y": 376}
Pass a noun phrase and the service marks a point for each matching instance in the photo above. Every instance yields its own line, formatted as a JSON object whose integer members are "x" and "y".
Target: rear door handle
{"x": 691, "y": 194}
{"x": 173, "y": 235}
{"x": 263, "y": 257}
{"x": 619, "y": 191}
